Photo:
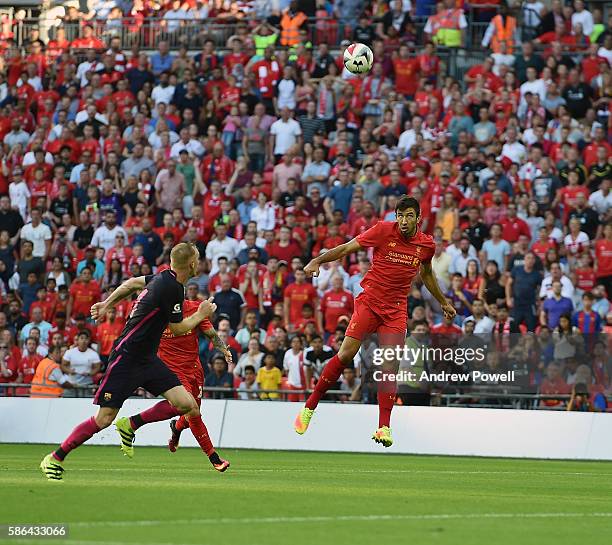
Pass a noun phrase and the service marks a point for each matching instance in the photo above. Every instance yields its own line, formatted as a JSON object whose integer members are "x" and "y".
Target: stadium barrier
{"x": 338, "y": 428}
{"x": 484, "y": 397}
{"x": 191, "y": 33}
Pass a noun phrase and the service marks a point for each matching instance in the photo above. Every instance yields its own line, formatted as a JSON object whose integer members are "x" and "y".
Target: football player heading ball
{"x": 401, "y": 252}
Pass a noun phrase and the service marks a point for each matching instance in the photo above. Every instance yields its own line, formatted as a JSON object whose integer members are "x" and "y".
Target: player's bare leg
{"x": 52, "y": 466}
{"x": 330, "y": 375}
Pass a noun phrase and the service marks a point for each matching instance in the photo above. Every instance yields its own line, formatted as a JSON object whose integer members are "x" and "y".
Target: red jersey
{"x": 232, "y": 59}
{"x": 540, "y": 248}
{"x": 107, "y": 333}
{"x": 335, "y": 304}
{"x": 27, "y": 367}
{"x": 590, "y": 152}
{"x": 406, "y": 75}
{"x": 252, "y": 299}
{"x": 285, "y": 253}
{"x": 87, "y": 43}
{"x": 603, "y": 253}
{"x": 512, "y": 229}
{"x": 84, "y": 296}
{"x": 395, "y": 262}
{"x": 181, "y": 354}
{"x": 298, "y": 295}
{"x": 585, "y": 278}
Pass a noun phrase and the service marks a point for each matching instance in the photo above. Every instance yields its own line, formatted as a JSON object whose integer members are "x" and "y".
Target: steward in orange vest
{"x": 501, "y": 29}
{"x": 291, "y": 22}
{"x": 48, "y": 380}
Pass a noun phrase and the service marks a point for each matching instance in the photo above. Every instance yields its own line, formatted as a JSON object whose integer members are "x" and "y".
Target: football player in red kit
{"x": 181, "y": 356}
{"x": 401, "y": 252}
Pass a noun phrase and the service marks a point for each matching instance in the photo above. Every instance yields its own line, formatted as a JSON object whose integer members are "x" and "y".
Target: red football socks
{"x": 330, "y": 375}
{"x": 159, "y": 412}
{"x": 77, "y": 437}
{"x": 386, "y": 399}
{"x": 200, "y": 432}
{"x": 181, "y": 424}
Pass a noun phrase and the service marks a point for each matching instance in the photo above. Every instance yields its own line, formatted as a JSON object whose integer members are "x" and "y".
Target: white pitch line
{"x": 338, "y": 518}
{"x": 340, "y": 471}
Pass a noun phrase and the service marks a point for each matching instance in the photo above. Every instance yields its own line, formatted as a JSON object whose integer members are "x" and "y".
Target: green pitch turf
{"x": 292, "y": 498}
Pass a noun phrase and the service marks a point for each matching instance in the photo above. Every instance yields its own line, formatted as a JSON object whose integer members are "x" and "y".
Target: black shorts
{"x": 125, "y": 373}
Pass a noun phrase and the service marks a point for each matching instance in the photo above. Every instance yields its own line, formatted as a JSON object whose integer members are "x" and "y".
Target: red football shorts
{"x": 192, "y": 381}
{"x": 386, "y": 319}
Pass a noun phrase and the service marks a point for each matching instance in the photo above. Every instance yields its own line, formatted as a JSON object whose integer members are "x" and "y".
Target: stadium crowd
{"x": 267, "y": 152}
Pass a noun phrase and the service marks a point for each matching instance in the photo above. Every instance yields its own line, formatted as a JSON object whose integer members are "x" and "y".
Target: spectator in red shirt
{"x": 335, "y": 303}
{"x": 108, "y": 331}
{"x": 513, "y": 226}
{"x": 217, "y": 166}
{"x": 27, "y": 367}
{"x": 8, "y": 365}
{"x": 406, "y": 72}
{"x": 553, "y": 384}
{"x": 84, "y": 292}
{"x": 295, "y": 296}
{"x": 87, "y": 40}
{"x": 285, "y": 248}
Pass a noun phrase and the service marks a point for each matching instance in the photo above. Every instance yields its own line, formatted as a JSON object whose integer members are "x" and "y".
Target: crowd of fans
{"x": 269, "y": 152}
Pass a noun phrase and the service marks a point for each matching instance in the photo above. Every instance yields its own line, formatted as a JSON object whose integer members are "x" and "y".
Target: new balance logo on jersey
{"x": 392, "y": 244}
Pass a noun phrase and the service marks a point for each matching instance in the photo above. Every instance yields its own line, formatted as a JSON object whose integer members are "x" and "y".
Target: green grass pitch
{"x": 296, "y": 498}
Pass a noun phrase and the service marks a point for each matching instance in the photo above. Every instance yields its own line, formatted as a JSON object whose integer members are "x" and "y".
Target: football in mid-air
{"x": 358, "y": 58}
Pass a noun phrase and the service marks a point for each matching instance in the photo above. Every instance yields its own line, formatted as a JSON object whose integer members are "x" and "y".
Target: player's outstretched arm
{"x": 339, "y": 252}
{"x": 98, "y": 310}
{"x": 205, "y": 310}
{"x": 431, "y": 283}
{"x": 213, "y": 336}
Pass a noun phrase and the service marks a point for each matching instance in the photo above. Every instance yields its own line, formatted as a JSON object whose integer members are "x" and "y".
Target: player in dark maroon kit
{"x": 134, "y": 362}
{"x": 401, "y": 251}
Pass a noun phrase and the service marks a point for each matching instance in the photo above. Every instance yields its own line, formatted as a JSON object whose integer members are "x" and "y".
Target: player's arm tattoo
{"x": 216, "y": 340}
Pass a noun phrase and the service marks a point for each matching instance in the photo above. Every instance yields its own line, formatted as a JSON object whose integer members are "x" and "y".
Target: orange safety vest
{"x": 503, "y": 34}
{"x": 450, "y": 18}
{"x": 42, "y": 385}
{"x": 290, "y": 27}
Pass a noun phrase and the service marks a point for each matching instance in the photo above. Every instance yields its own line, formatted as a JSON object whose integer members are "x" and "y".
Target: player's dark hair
{"x": 249, "y": 368}
{"x": 405, "y": 203}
